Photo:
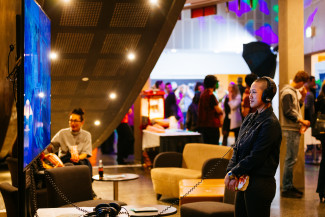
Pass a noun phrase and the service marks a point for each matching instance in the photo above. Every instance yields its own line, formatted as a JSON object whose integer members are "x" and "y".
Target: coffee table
{"x": 73, "y": 212}
{"x": 208, "y": 190}
{"x": 115, "y": 178}
{"x": 163, "y": 210}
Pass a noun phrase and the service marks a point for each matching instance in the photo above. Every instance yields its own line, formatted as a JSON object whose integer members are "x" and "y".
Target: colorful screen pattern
{"x": 37, "y": 81}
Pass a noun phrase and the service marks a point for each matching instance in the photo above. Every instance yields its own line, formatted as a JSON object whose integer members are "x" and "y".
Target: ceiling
{"x": 92, "y": 39}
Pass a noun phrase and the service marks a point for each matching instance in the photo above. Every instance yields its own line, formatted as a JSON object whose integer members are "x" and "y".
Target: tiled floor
{"x": 140, "y": 191}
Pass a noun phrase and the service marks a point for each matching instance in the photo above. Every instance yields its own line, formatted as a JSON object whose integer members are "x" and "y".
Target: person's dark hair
{"x": 78, "y": 111}
{"x": 301, "y": 76}
{"x": 196, "y": 88}
{"x": 158, "y": 83}
{"x": 196, "y": 97}
{"x": 249, "y": 79}
{"x": 269, "y": 86}
{"x": 168, "y": 83}
{"x": 210, "y": 81}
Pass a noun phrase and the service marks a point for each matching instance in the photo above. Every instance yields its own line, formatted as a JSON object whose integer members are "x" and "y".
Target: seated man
{"x": 68, "y": 140}
{"x": 73, "y": 144}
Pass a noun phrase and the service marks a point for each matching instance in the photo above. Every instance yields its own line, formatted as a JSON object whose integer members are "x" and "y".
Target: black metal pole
{"x": 22, "y": 211}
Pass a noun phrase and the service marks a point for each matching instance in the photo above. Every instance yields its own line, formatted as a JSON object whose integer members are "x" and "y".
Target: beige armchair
{"x": 197, "y": 161}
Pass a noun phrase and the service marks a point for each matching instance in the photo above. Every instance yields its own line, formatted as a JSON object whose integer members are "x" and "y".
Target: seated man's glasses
{"x": 74, "y": 121}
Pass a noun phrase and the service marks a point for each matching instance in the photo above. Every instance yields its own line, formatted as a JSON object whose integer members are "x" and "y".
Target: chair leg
{"x": 158, "y": 196}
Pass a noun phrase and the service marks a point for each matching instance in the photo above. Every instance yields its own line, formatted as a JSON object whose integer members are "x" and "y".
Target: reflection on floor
{"x": 140, "y": 191}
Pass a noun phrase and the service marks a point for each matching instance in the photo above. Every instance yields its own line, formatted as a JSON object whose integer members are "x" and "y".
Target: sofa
{"x": 197, "y": 161}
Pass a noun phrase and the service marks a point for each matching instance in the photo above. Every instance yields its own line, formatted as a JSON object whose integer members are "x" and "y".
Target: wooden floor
{"x": 140, "y": 191}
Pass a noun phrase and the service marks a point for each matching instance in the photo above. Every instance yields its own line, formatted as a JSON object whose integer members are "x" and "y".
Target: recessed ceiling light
{"x": 97, "y": 122}
{"x": 112, "y": 96}
{"x": 173, "y": 50}
{"x": 53, "y": 56}
{"x": 153, "y": 1}
{"x": 85, "y": 79}
{"x": 131, "y": 56}
{"x": 66, "y": 1}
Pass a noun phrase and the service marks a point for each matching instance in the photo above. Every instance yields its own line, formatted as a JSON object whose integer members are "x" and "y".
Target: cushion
{"x": 166, "y": 179}
{"x": 195, "y": 154}
{"x": 207, "y": 209}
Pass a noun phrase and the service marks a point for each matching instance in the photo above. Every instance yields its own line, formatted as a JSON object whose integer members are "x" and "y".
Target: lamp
{"x": 310, "y": 32}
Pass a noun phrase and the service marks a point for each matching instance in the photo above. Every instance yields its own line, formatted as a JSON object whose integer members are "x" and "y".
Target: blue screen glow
{"x": 37, "y": 81}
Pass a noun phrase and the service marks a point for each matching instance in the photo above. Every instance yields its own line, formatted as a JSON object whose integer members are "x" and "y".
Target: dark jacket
{"x": 257, "y": 150}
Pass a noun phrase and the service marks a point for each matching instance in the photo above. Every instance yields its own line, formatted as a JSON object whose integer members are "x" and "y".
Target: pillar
{"x": 291, "y": 54}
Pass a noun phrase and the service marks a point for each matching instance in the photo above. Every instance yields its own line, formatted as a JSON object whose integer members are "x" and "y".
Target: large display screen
{"x": 37, "y": 81}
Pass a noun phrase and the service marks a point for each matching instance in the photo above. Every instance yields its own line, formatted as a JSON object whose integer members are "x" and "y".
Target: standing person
{"x": 125, "y": 139}
{"x": 320, "y": 107}
{"x": 160, "y": 85}
{"x": 171, "y": 107}
{"x": 256, "y": 154}
{"x": 292, "y": 124}
{"x": 240, "y": 85}
{"x": 233, "y": 119}
{"x": 192, "y": 113}
{"x": 246, "y": 108}
{"x": 310, "y": 99}
{"x": 199, "y": 87}
{"x": 210, "y": 114}
{"x": 185, "y": 102}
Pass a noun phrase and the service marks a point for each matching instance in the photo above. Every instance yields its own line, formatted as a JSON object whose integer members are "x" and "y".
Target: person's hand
{"x": 304, "y": 122}
{"x": 227, "y": 180}
{"x": 74, "y": 160}
{"x": 232, "y": 184}
{"x": 303, "y": 92}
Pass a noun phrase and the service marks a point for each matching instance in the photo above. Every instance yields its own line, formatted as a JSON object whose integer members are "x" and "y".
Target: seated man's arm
{"x": 87, "y": 148}
{"x": 83, "y": 156}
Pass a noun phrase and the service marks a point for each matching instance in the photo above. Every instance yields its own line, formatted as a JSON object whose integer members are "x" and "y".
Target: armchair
{"x": 74, "y": 182}
{"x": 196, "y": 161}
{"x": 10, "y": 197}
{"x": 211, "y": 208}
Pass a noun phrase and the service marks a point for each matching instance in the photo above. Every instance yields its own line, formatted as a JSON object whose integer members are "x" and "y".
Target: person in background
{"x": 171, "y": 107}
{"x": 292, "y": 125}
{"x": 192, "y": 113}
{"x": 210, "y": 114}
{"x": 320, "y": 107}
{"x": 160, "y": 85}
{"x": 256, "y": 154}
{"x": 246, "y": 109}
{"x": 240, "y": 85}
{"x": 125, "y": 139}
{"x": 310, "y": 99}
{"x": 233, "y": 118}
{"x": 185, "y": 101}
{"x": 199, "y": 87}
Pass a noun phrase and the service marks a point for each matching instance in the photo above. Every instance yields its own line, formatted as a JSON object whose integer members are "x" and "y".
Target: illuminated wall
{"x": 314, "y": 16}
{"x": 227, "y": 31}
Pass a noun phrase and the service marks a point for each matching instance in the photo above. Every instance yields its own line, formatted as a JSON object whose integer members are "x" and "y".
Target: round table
{"x": 163, "y": 210}
{"x": 115, "y": 178}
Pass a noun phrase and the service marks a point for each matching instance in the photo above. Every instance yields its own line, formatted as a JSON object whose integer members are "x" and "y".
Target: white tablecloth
{"x": 152, "y": 139}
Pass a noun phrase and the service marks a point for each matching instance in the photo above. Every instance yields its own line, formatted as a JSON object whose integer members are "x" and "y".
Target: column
{"x": 291, "y": 54}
